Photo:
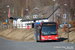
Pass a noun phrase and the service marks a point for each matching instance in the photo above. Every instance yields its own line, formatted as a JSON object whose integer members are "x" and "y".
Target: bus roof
{"x": 38, "y": 23}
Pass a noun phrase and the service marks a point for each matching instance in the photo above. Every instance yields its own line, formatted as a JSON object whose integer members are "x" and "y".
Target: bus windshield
{"x": 49, "y": 30}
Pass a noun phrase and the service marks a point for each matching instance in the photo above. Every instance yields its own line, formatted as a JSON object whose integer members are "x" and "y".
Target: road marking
{"x": 63, "y": 42}
{"x": 72, "y": 42}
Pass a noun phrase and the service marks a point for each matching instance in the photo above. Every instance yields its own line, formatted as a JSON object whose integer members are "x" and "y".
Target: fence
{"x": 15, "y": 26}
{"x": 3, "y": 26}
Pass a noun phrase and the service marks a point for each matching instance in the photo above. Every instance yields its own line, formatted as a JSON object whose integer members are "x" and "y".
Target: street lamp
{"x": 53, "y": 9}
{"x": 7, "y": 5}
{"x": 7, "y": 17}
{"x": 64, "y": 15}
{"x": 4, "y": 11}
{"x": 68, "y": 20}
{"x": 42, "y": 17}
{"x": 26, "y": 11}
{"x": 36, "y": 8}
{"x": 65, "y": 4}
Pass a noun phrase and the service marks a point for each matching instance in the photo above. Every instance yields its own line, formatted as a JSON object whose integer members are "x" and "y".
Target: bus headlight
{"x": 43, "y": 38}
{"x": 56, "y": 37}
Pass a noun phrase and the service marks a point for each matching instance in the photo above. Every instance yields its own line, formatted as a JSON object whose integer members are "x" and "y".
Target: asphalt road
{"x": 19, "y": 45}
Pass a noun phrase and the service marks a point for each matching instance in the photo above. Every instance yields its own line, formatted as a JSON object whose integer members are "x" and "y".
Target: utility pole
{"x": 53, "y": 11}
{"x": 38, "y": 15}
{"x": 68, "y": 20}
{"x": 7, "y": 16}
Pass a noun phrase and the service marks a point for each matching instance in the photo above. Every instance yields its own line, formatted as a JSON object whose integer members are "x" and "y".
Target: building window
{"x": 34, "y": 16}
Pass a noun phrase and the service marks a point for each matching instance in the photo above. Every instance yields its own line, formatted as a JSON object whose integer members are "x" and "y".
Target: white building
{"x": 19, "y": 23}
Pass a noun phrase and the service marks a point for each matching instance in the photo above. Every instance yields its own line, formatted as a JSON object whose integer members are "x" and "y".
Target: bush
{"x": 65, "y": 28}
{"x": 70, "y": 23}
{"x": 65, "y": 25}
{"x": 74, "y": 29}
{"x": 73, "y": 24}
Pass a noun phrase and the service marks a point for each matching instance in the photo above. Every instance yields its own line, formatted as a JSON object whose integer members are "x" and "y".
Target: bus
{"x": 45, "y": 31}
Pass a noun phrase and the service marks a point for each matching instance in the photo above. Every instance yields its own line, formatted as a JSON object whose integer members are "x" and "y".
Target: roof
{"x": 45, "y": 11}
{"x": 16, "y": 17}
{"x": 35, "y": 19}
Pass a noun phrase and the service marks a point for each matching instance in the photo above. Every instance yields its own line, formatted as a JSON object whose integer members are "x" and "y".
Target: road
{"x": 19, "y": 45}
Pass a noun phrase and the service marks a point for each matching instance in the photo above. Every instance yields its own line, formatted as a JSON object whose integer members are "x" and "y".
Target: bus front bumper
{"x": 43, "y": 38}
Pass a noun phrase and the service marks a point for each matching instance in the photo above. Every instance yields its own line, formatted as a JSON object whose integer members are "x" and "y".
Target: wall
{"x": 19, "y": 24}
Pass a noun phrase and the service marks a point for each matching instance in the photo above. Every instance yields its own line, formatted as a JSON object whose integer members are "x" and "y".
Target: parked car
{"x": 62, "y": 25}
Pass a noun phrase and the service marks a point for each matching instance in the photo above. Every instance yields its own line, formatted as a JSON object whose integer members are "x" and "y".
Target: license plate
{"x": 49, "y": 39}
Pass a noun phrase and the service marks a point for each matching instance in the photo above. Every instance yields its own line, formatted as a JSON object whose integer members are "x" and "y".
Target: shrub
{"x": 65, "y": 28}
{"x": 73, "y": 24}
{"x": 74, "y": 29}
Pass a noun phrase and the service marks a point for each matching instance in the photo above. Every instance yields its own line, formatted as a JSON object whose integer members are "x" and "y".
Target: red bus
{"x": 45, "y": 31}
